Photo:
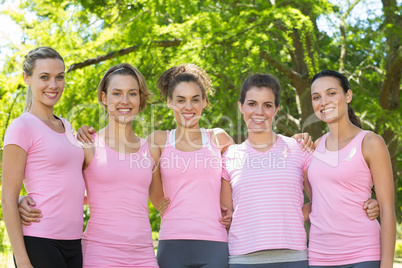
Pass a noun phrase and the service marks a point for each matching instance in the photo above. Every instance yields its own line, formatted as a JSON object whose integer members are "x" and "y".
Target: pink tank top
{"x": 341, "y": 233}
{"x": 53, "y": 176}
{"x": 192, "y": 181}
{"x": 118, "y": 233}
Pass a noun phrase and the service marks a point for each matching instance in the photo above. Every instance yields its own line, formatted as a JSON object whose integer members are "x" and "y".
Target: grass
{"x": 6, "y": 257}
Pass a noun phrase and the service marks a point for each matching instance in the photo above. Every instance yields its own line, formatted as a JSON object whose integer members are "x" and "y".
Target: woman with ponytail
{"x": 32, "y": 147}
{"x": 346, "y": 164}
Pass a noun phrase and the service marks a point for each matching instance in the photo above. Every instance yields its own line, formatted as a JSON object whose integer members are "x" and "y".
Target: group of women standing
{"x": 259, "y": 199}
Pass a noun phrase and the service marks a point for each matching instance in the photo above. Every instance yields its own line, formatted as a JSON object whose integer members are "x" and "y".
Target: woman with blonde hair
{"x": 41, "y": 152}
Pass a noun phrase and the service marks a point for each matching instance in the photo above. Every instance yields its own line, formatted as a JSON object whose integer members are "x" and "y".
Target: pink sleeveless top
{"x": 118, "y": 233}
{"x": 341, "y": 233}
{"x": 192, "y": 181}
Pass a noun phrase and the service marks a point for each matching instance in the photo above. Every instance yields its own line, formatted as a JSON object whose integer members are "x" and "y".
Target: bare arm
{"x": 221, "y": 139}
{"x": 307, "y": 207}
{"x": 226, "y": 203}
{"x": 156, "y": 194}
{"x": 376, "y": 154}
{"x": 13, "y": 174}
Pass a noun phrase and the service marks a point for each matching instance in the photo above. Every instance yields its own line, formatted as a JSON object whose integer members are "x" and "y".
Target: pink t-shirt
{"x": 118, "y": 233}
{"x": 192, "y": 181}
{"x": 267, "y": 196}
{"x": 53, "y": 176}
{"x": 341, "y": 233}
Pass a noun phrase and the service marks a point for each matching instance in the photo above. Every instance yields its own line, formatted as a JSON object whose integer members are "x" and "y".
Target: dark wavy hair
{"x": 168, "y": 81}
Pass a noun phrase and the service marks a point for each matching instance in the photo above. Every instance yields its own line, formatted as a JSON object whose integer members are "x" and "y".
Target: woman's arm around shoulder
{"x": 377, "y": 157}
{"x": 89, "y": 153}
{"x": 221, "y": 138}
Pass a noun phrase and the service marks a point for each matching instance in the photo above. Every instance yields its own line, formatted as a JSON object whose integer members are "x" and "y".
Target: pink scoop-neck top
{"x": 267, "y": 196}
{"x": 341, "y": 233}
{"x": 192, "y": 181}
{"x": 53, "y": 176}
{"x": 118, "y": 233}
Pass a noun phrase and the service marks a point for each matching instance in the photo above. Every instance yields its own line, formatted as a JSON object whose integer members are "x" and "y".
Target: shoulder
{"x": 236, "y": 149}
{"x": 157, "y": 137}
{"x": 372, "y": 142}
{"x": 317, "y": 141}
{"x": 22, "y": 123}
{"x": 289, "y": 142}
{"x": 220, "y": 137}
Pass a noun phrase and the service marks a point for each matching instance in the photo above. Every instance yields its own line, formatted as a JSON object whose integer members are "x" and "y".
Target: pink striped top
{"x": 341, "y": 233}
{"x": 267, "y": 196}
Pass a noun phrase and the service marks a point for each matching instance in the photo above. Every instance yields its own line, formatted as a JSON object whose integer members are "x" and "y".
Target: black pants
{"x": 192, "y": 254}
{"x": 366, "y": 264}
{"x": 51, "y": 253}
{"x": 295, "y": 264}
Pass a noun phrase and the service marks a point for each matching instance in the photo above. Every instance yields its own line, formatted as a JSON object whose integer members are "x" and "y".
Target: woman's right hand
{"x": 28, "y": 214}
{"x": 84, "y": 134}
{"x": 163, "y": 206}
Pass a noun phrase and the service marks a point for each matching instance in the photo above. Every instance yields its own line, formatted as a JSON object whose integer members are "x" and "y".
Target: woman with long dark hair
{"x": 346, "y": 164}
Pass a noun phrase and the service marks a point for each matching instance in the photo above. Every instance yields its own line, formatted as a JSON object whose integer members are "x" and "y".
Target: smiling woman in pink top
{"x": 347, "y": 162}
{"x": 189, "y": 174}
{"x": 118, "y": 174}
{"x": 41, "y": 151}
{"x": 263, "y": 184}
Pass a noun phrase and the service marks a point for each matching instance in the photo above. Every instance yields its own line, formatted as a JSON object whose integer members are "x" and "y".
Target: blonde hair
{"x": 168, "y": 81}
{"x": 124, "y": 69}
{"x": 28, "y": 65}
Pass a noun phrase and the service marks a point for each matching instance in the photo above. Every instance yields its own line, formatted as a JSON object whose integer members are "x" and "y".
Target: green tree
{"x": 230, "y": 39}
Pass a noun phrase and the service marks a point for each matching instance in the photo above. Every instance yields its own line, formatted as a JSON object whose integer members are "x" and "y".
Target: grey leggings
{"x": 366, "y": 264}
{"x": 293, "y": 264}
{"x": 192, "y": 254}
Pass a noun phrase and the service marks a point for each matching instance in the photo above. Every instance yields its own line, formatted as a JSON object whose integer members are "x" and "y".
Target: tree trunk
{"x": 390, "y": 90}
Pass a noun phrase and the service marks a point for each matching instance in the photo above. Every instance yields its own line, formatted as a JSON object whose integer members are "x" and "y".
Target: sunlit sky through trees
{"x": 11, "y": 35}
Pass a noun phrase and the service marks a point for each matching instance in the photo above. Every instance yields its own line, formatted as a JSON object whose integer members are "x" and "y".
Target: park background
{"x": 230, "y": 39}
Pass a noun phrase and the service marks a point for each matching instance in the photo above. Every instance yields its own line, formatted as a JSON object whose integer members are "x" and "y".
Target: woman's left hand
{"x": 226, "y": 218}
{"x": 372, "y": 209}
{"x": 305, "y": 141}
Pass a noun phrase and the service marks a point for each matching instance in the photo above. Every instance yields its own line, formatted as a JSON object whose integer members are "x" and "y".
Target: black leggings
{"x": 192, "y": 254}
{"x": 366, "y": 264}
{"x": 51, "y": 253}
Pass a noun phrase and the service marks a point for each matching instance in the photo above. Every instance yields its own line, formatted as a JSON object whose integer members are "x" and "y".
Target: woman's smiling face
{"x": 187, "y": 104}
{"x": 329, "y": 100}
{"x": 259, "y": 109}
